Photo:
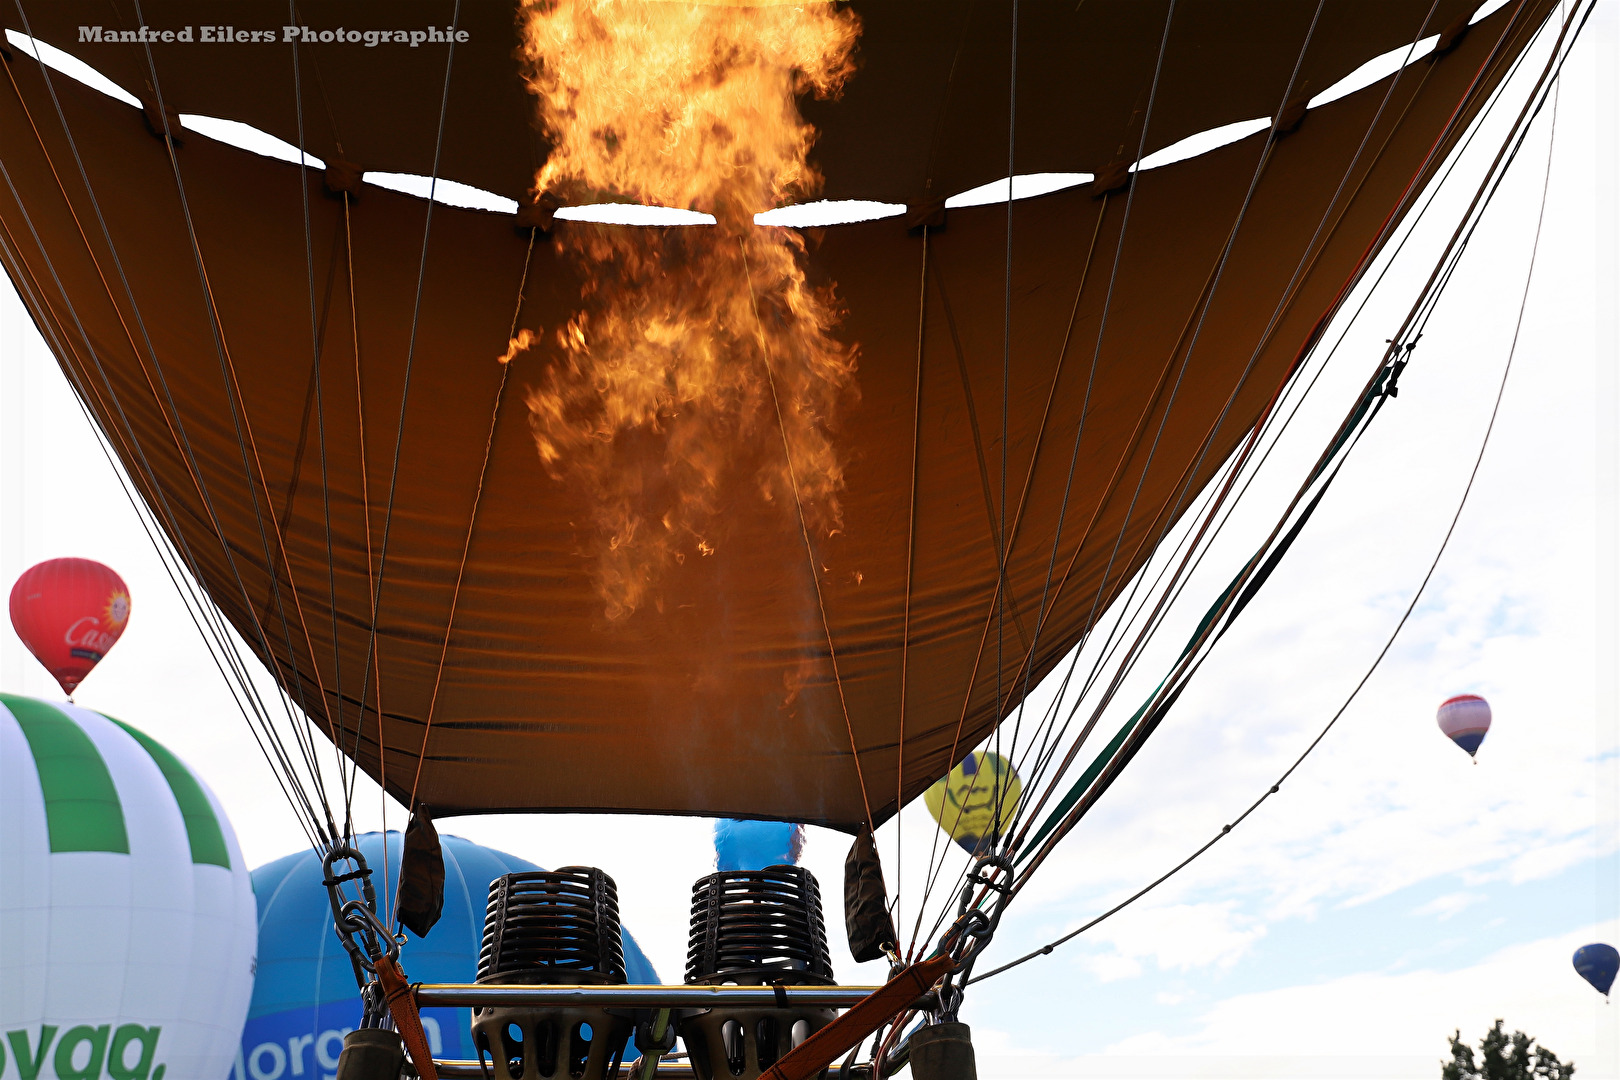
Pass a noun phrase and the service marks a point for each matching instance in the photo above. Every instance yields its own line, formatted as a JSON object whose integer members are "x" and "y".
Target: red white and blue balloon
{"x": 1465, "y": 719}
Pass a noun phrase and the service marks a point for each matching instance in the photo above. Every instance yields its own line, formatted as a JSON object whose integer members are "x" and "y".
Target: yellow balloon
{"x": 966, "y": 800}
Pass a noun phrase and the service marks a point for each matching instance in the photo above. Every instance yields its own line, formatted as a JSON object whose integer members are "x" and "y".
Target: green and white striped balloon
{"x": 127, "y": 919}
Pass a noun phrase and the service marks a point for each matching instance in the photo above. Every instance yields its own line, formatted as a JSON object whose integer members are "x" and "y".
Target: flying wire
{"x": 1119, "y": 246}
{"x": 239, "y": 421}
{"x": 466, "y": 547}
{"x": 317, "y": 347}
{"x": 225, "y": 641}
{"x": 804, "y": 531}
{"x": 1189, "y": 664}
{"x": 50, "y": 325}
{"x": 399, "y": 434}
{"x": 1030, "y": 788}
{"x": 1401, "y": 623}
{"x": 1131, "y": 659}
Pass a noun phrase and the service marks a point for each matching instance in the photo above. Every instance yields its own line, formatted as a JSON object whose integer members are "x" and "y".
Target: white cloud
{"x": 1177, "y": 937}
{"x": 1444, "y": 907}
{"x": 1531, "y": 986}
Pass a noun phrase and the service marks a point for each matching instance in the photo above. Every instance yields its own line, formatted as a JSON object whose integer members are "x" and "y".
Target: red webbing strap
{"x": 872, "y": 1012}
{"x": 402, "y": 1004}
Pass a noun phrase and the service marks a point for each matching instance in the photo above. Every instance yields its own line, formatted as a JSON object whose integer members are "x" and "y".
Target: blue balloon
{"x": 754, "y": 845}
{"x": 1597, "y": 964}
{"x": 304, "y": 995}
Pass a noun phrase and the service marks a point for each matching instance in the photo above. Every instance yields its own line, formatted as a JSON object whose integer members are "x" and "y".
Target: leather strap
{"x": 402, "y": 1004}
{"x": 870, "y": 1013}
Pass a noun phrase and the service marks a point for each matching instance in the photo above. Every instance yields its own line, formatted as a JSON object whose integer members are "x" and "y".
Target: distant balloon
{"x": 127, "y": 930}
{"x": 69, "y": 612}
{"x": 754, "y": 845}
{"x": 1465, "y": 719}
{"x": 1597, "y": 964}
{"x": 975, "y": 800}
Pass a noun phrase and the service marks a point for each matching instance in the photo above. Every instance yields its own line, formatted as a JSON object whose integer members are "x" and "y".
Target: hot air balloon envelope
{"x": 754, "y": 845}
{"x": 69, "y": 612}
{"x": 730, "y": 625}
{"x": 126, "y": 911}
{"x": 974, "y": 802}
{"x": 1465, "y": 719}
{"x": 1597, "y": 964}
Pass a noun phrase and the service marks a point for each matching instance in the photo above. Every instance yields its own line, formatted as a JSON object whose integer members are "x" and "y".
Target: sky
{"x": 1390, "y": 893}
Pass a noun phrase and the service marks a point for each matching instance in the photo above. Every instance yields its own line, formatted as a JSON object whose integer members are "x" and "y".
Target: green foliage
{"x": 1504, "y": 1057}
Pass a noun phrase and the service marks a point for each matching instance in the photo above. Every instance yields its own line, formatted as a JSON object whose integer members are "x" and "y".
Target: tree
{"x": 1504, "y": 1057}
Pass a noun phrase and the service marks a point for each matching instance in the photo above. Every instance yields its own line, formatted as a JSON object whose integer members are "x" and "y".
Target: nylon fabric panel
{"x": 720, "y": 698}
{"x": 25, "y": 872}
{"x": 139, "y": 922}
{"x": 81, "y": 804}
{"x": 225, "y": 925}
{"x": 202, "y": 826}
{"x": 924, "y": 117}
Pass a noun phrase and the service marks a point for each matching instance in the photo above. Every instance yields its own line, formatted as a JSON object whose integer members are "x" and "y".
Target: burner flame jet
{"x": 701, "y": 363}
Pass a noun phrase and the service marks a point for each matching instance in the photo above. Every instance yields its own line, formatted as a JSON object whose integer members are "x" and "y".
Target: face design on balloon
{"x": 974, "y": 802}
{"x": 117, "y": 610}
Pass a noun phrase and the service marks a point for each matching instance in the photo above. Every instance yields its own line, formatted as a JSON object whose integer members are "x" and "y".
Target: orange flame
{"x": 692, "y": 341}
{"x": 518, "y": 344}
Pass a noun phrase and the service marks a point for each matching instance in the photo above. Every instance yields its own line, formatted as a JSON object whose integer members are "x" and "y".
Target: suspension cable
{"x": 399, "y": 434}
{"x": 1390, "y": 641}
{"x": 138, "y": 451}
{"x": 1189, "y": 664}
{"x": 1113, "y": 275}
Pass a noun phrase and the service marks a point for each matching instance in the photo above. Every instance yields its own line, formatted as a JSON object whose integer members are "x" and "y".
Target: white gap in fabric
{"x": 71, "y": 66}
{"x": 448, "y": 192}
{"x": 231, "y": 132}
{"x": 1202, "y": 143}
{"x": 1026, "y": 186}
{"x": 632, "y": 214}
{"x": 1379, "y": 67}
{"x": 1487, "y": 9}
{"x": 806, "y": 215}
{"x": 828, "y": 212}
{"x": 247, "y": 137}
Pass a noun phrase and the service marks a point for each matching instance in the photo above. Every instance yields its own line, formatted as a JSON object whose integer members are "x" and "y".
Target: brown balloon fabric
{"x": 720, "y": 695}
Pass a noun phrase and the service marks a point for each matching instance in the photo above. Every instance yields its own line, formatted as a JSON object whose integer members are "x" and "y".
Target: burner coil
{"x": 552, "y": 927}
{"x": 756, "y": 927}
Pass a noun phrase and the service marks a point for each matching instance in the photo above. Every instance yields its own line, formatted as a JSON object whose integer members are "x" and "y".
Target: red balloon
{"x": 69, "y": 612}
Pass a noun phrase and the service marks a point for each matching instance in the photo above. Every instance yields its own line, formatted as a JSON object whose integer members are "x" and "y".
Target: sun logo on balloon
{"x": 117, "y": 609}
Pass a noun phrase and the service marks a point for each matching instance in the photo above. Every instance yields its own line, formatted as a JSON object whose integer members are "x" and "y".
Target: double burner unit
{"x": 561, "y": 927}
{"x": 548, "y": 928}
